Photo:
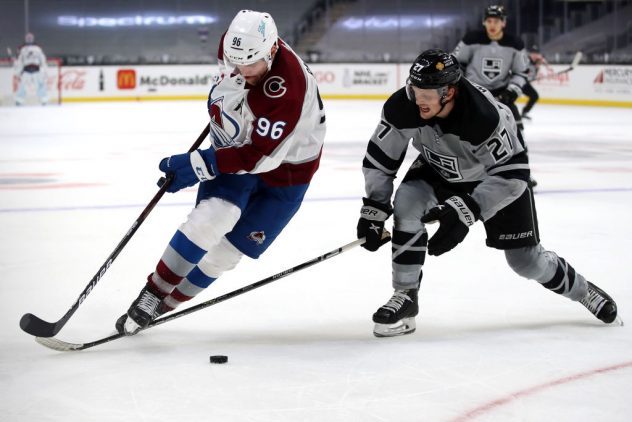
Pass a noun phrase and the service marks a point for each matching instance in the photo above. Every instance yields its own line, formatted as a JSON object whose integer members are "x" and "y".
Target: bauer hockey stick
{"x": 63, "y": 346}
{"x": 40, "y": 328}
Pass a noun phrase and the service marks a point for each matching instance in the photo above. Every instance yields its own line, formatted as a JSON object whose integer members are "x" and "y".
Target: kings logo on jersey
{"x": 491, "y": 67}
{"x": 225, "y": 130}
{"x": 446, "y": 165}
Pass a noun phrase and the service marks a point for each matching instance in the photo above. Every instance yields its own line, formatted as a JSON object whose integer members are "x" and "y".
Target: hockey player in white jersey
{"x": 31, "y": 70}
{"x": 471, "y": 166}
{"x": 267, "y": 130}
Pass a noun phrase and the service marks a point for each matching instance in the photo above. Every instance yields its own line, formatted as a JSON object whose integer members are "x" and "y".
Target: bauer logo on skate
{"x": 258, "y": 237}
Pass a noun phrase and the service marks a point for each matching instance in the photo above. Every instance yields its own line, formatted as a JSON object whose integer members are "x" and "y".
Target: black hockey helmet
{"x": 433, "y": 69}
{"x": 495, "y": 11}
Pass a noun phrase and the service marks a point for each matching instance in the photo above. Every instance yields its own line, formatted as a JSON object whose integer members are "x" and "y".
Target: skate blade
{"x": 400, "y": 328}
{"x": 618, "y": 321}
{"x": 131, "y": 327}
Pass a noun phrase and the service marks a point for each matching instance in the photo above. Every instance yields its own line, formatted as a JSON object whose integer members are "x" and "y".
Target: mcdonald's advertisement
{"x": 605, "y": 85}
{"x": 135, "y": 82}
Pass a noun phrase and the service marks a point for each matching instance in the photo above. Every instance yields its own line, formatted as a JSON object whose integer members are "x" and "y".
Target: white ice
{"x": 489, "y": 345}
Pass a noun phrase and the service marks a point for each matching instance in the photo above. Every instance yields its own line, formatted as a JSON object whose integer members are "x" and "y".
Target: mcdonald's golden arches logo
{"x": 126, "y": 79}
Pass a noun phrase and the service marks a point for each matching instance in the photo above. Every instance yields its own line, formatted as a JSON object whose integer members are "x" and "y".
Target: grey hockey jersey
{"x": 493, "y": 64}
{"x": 477, "y": 143}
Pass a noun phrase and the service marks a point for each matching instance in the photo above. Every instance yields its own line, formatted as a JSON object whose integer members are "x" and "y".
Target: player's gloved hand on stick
{"x": 373, "y": 214}
{"x": 455, "y": 217}
{"x": 510, "y": 94}
{"x": 189, "y": 168}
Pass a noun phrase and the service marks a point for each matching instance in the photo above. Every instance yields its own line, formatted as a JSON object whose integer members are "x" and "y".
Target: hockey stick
{"x": 62, "y": 346}
{"x": 576, "y": 59}
{"x": 38, "y": 327}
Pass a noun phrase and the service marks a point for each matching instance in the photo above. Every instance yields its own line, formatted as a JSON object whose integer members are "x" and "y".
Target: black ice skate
{"x": 142, "y": 311}
{"x": 600, "y": 304}
{"x": 397, "y": 317}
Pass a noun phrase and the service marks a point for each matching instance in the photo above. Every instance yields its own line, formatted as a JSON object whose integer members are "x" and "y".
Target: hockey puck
{"x": 219, "y": 359}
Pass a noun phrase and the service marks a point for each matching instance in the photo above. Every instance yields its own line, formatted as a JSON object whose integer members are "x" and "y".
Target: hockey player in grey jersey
{"x": 495, "y": 60}
{"x": 471, "y": 166}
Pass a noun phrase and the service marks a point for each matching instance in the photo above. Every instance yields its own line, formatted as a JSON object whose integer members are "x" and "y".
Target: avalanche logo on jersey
{"x": 274, "y": 87}
{"x": 224, "y": 129}
{"x": 491, "y": 67}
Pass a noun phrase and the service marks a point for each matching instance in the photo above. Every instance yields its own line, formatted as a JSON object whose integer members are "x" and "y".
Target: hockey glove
{"x": 510, "y": 94}
{"x": 190, "y": 168}
{"x": 373, "y": 214}
{"x": 455, "y": 217}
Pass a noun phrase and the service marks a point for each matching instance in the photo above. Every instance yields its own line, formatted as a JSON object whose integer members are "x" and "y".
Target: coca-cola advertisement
{"x": 72, "y": 79}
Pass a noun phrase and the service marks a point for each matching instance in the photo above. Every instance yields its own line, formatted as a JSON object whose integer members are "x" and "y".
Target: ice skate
{"x": 142, "y": 311}
{"x": 601, "y": 305}
{"x": 397, "y": 316}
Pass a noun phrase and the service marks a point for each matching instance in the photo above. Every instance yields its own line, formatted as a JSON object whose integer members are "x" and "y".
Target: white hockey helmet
{"x": 29, "y": 38}
{"x": 250, "y": 37}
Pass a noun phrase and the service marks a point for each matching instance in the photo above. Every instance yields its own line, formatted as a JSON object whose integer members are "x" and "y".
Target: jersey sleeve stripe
{"x": 382, "y": 160}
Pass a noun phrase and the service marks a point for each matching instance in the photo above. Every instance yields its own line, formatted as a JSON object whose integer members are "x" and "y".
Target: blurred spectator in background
{"x": 30, "y": 70}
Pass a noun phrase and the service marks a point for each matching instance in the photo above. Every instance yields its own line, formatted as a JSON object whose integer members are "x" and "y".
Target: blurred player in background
{"x": 472, "y": 166}
{"x": 30, "y": 70}
{"x": 267, "y": 130}
{"x": 495, "y": 60}
{"x": 535, "y": 61}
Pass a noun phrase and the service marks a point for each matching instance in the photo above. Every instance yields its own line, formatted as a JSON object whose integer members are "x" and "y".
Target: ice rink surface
{"x": 489, "y": 345}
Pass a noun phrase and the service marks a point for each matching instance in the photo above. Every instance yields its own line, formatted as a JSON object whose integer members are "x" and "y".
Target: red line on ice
{"x": 487, "y": 407}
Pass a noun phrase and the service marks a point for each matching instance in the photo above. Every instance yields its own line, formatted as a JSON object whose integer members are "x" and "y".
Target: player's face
{"x": 494, "y": 27}
{"x": 253, "y": 73}
{"x": 428, "y": 101}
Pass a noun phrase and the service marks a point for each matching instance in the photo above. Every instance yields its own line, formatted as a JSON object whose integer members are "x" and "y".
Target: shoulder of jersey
{"x": 480, "y": 112}
{"x": 476, "y": 37}
{"x": 400, "y": 111}
{"x": 510, "y": 40}
{"x": 286, "y": 83}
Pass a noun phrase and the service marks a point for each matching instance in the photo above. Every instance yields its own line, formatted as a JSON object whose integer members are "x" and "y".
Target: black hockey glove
{"x": 373, "y": 214}
{"x": 455, "y": 217}
{"x": 509, "y": 95}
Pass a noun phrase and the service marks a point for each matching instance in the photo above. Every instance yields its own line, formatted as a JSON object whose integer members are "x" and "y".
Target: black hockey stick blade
{"x": 35, "y": 326}
{"x": 38, "y": 327}
{"x": 63, "y": 346}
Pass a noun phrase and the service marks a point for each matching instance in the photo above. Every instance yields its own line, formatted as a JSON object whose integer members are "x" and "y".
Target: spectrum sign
{"x": 137, "y": 20}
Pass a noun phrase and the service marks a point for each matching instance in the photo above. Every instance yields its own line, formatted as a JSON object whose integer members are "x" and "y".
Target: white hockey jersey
{"x": 275, "y": 129}
{"x": 30, "y": 59}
